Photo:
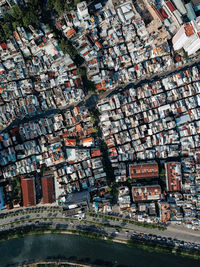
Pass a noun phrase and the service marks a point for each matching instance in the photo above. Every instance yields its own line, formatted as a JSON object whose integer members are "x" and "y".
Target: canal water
{"x": 41, "y": 247}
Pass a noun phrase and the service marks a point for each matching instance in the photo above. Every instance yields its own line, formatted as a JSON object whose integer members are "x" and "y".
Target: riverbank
{"x": 54, "y": 264}
{"x": 162, "y": 249}
{"x": 150, "y": 247}
{"x": 65, "y": 247}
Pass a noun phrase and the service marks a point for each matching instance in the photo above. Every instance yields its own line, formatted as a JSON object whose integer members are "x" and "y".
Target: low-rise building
{"x": 146, "y": 193}
{"x": 28, "y": 190}
{"x": 173, "y": 176}
{"x": 146, "y": 170}
{"x": 48, "y": 194}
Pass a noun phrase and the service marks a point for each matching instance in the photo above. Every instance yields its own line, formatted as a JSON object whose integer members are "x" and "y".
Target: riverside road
{"x": 36, "y": 216}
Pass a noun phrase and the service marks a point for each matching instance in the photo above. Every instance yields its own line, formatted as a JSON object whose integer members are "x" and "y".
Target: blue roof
{"x": 183, "y": 119}
{"x": 1, "y": 199}
{"x": 190, "y": 12}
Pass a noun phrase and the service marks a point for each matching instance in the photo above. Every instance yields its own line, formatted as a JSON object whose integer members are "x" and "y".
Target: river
{"x": 40, "y": 247}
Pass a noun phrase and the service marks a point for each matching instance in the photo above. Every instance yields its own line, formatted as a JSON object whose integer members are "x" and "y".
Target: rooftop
{"x": 146, "y": 193}
{"x": 28, "y": 191}
{"x": 48, "y": 189}
{"x": 173, "y": 176}
{"x": 146, "y": 170}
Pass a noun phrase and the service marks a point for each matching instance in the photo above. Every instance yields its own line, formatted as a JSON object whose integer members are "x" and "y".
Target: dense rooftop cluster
{"x": 35, "y": 76}
{"x": 115, "y": 43}
{"x": 158, "y": 120}
{"x": 143, "y": 141}
{"x": 62, "y": 144}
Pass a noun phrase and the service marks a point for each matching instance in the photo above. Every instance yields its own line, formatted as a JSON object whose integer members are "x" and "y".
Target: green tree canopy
{"x": 50, "y": 3}
{"x": 59, "y": 6}
{"x": 16, "y": 12}
{"x": 76, "y": 2}
{"x": 67, "y": 7}
{"x": 15, "y": 24}
{"x": 67, "y": 48}
{"x": 30, "y": 18}
{"x": 36, "y": 3}
{"x": 7, "y": 29}
{"x": 7, "y": 17}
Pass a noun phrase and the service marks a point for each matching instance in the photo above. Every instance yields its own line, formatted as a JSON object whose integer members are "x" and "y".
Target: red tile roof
{"x": 70, "y": 142}
{"x": 47, "y": 189}
{"x": 14, "y": 131}
{"x": 58, "y": 24}
{"x": 79, "y": 128}
{"x": 70, "y": 32}
{"x": 4, "y": 46}
{"x": 28, "y": 191}
{"x": 189, "y": 29}
{"x": 164, "y": 14}
{"x": 147, "y": 170}
{"x": 88, "y": 139}
{"x": 95, "y": 153}
{"x": 165, "y": 212}
{"x": 170, "y": 6}
{"x": 173, "y": 176}
{"x": 146, "y": 193}
{"x": 77, "y": 82}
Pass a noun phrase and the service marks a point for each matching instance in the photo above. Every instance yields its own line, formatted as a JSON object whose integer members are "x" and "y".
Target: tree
{"x": 95, "y": 129}
{"x": 35, "y": 5}
{"x": 67, "y": 48}
{"x": 70, "y": 50}
{"x": 162, "y": 174}
{"x": 185, "y": 54}
{"x": 16, "y": 12}
{"x": 7, "y": 30}
{"x": 59, "y": 6}
{"x": 95, "y": 114}
{"x": 81, "y": 72}
{"x": 76, "y": 2}
{"x": 109, "y": 188}
{"x": 30, "y": 18}
{"x": 50, "y": 4}
{"x": 90, "y": 86}
{"x": 2, "y": 37}
{"x": 15, "y": 24}
{"x": 7, "y": 17}
{"x": 67, "y": 8}
{"x": 62, "y": 45}
{"x": 48, "y": 27}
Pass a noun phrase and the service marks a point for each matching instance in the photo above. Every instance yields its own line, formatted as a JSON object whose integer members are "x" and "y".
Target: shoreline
{"x": 150, "y": 247}
{"x": 35, "y": 264}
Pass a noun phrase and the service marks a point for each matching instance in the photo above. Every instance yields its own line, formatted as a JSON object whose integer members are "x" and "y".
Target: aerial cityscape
{"x": 100, "y": 122}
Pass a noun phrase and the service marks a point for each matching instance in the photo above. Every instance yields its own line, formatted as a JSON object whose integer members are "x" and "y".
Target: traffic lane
{"x": 172, "y": 231}
{"x": 29, "y": 216}
{"x": 107, "y": 231}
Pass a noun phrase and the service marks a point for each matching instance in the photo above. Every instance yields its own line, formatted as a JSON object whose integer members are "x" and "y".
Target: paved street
{"x": 128, "y": 232}
{"x": 173, "y": 231}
